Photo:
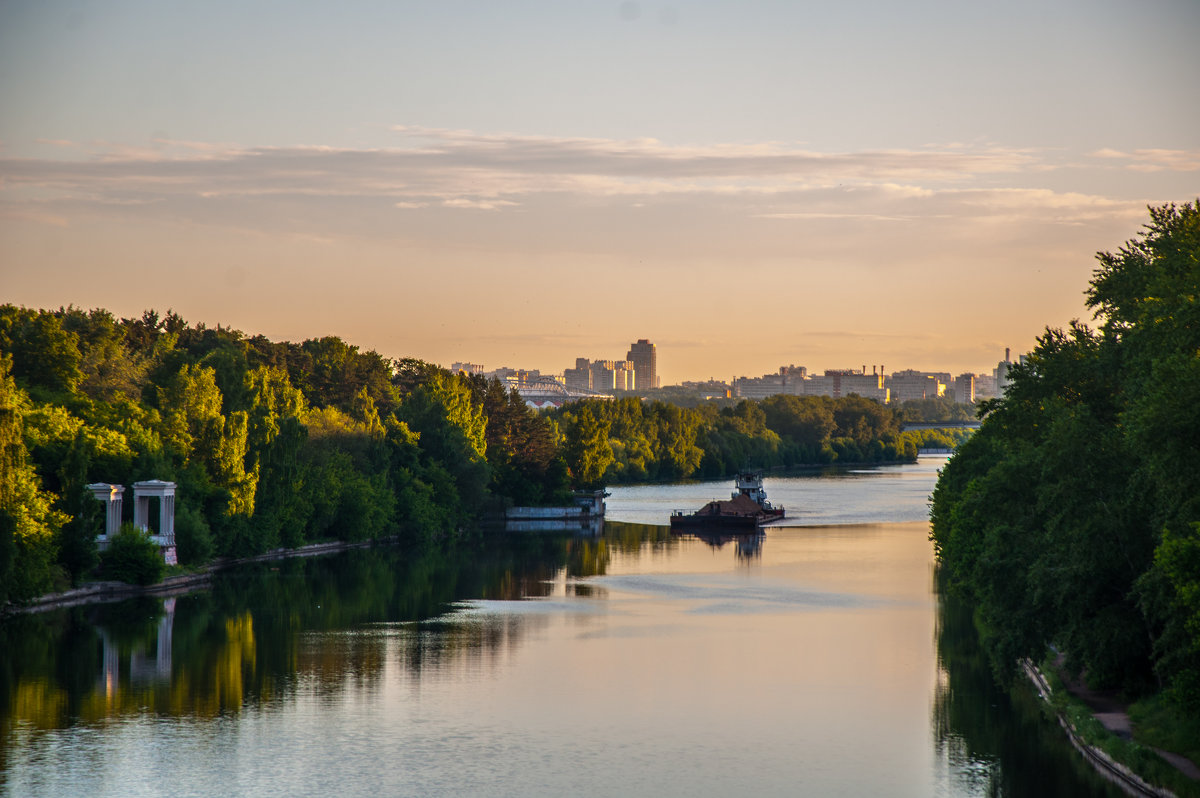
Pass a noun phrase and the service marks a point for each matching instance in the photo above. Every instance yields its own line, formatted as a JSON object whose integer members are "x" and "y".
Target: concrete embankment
{"x": 99, "y": 592}
{"x": 1105, "y": 765}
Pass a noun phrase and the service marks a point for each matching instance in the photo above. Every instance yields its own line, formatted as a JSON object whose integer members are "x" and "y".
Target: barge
{"x": 746, "y": 510}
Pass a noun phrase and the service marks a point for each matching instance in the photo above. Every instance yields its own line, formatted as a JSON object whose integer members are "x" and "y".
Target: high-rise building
{"x": 625, "y": 376}
{"x": 964, "y": 388}
{"x": 645, "y": 364}
{"x": 604, "y": 378}
{"x": 580, "y": 377}
{"x": 1001, "y": 371}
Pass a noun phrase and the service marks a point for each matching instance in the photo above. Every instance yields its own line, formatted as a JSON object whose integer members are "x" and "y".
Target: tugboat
{"x": 746, "y": 510}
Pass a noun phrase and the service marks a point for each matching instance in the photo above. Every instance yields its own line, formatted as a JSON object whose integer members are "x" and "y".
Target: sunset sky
{"x": 747, "y": 184}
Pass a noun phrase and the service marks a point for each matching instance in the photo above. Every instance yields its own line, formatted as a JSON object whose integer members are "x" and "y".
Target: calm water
{"x": 816, "y": 661}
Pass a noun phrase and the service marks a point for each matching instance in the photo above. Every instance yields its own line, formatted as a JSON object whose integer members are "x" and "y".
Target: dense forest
{"x": 277, "y": 444}
{"x": 270, "y": 444}
{"x": 628, "y": 440}
{"x": 1072, "y": 517}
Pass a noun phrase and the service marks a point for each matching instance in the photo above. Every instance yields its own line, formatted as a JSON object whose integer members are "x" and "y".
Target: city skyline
{"x": 473, "y": 367}
{"x": 746, "y": 186}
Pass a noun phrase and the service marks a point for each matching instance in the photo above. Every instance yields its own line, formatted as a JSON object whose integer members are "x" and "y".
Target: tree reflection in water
{"x": 267, "y": 633}
{"x": 266, "y": 628}
{"x": 995, "y": 741}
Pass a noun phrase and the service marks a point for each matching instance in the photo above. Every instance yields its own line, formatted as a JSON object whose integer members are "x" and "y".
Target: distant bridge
{"x": 543, "y": 392}
{"x": 941, "y": 425}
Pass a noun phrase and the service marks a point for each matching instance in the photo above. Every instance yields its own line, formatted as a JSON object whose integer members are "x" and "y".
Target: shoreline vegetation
{"x": 1070, "y": 520}
{"x": 176, "y": 584}
{"x": 279, "y": 444}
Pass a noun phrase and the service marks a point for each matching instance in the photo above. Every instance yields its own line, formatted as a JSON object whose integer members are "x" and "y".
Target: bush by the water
{"x": 133, "y": 557}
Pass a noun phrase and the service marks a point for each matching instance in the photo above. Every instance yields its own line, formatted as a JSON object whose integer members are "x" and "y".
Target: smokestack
{"x": 1006, "y": 357}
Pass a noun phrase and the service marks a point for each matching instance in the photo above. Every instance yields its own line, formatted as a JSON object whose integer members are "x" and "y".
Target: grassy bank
{"x": 1166, "y": 729}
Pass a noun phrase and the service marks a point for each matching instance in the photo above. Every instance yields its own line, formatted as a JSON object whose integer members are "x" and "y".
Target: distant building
{"x": 624, "y": 375}
{"x": 466, "y": 368}
{"x": 964, "y": 389}
{"x": 604, "y": 375}
{"x": 985, "y": 386}
{"x": 514, "y": 376}
{"x": 645, "y": 364}
{"x": 843, "y": 382}
{"x": 1001, "y": 371}
{"x": 709, "y": 389}
{"x": 908, "y": 384}
{"x": 789, "y": 379}
{"x": 758, "y": 387}
{"x": 580, "y": 377}
{"x": 793, "y": 379}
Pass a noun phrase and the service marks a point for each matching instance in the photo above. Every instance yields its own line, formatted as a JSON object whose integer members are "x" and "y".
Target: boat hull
{"x": 723, "y": 523}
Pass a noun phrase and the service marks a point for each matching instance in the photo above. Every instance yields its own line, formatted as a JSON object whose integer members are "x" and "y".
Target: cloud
{"x": 579, "y": 183}
{"x": 477, "y": 204}
{"x": 33, "y": 215}
{"x": 445, "y": 165}
{"x": 1153, "y": 160}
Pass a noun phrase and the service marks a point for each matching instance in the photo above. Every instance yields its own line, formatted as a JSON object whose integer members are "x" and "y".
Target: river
{"x": 816, "y": 660}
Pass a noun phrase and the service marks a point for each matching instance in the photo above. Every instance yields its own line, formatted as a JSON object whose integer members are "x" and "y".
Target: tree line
{"x": 628, "y": 440}
{"x": 270, "y": 443}
{"x": 1072, "y": 517}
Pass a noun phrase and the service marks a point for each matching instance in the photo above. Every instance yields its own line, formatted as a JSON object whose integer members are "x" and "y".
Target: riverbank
{"x": 178, "y": 584}
{"x": 1095, "y": 725}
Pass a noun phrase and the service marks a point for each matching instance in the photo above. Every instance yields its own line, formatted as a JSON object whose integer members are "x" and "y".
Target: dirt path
{"x": 1113, "y": 714}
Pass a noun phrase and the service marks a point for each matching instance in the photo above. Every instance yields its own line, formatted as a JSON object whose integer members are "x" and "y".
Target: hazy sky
{"x": 747, "y": 184}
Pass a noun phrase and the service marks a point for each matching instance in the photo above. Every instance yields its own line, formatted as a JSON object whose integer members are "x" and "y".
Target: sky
{"x": 746, "y": 184}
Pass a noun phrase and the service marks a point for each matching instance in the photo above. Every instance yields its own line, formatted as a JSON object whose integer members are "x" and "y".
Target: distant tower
{"x": 645, "y": 364}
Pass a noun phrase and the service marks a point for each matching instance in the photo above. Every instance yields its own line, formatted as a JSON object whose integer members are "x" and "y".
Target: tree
{"x": 805, "y": 421}
{"x": 28, "y": 522}
{"x": 45, "y": 356}
{"x": 1070, "y": 517}
{"x": 586, "y": 447}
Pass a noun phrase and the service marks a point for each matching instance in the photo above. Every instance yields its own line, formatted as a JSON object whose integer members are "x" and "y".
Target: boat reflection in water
{"x": 748, "y": 545}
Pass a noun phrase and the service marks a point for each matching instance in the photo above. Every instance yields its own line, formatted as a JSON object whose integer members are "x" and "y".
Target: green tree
{"x": 453, "y": 433}
{"x": 44, "y": 355}
{"x": 30, "y": 522}
{"x": 1069, "y": 518}
{"x": 805, "y": 421}
{"x": 77, "y": 538}
{"x": 586, "y": 448}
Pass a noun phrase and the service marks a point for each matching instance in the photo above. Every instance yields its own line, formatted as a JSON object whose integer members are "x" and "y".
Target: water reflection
{"x": 746, "y": 546}
{"x": 993, "y": 741}
{"x": 351, "y": 627}
{"x": 263, "y": 629}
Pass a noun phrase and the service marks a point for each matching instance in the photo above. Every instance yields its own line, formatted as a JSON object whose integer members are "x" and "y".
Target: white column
{"x": 112, "y": 521}
{"x": 141, "y": 510}
{"x": 165, "y": 492}
{"x": 166, "y": 518}
{"x": 111, "y": 496}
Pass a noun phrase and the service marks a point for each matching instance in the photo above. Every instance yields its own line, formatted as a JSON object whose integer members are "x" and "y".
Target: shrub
{"x": 133, "y": 557}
